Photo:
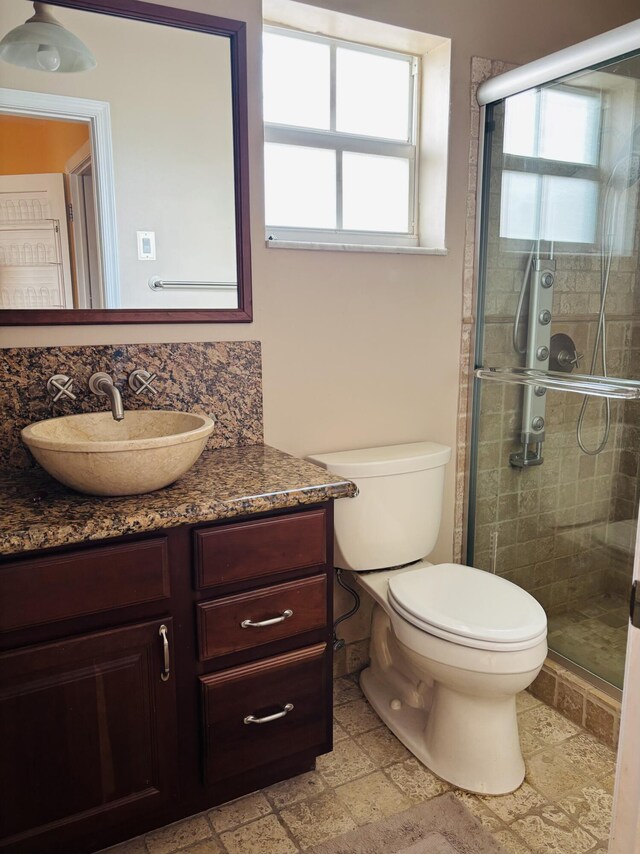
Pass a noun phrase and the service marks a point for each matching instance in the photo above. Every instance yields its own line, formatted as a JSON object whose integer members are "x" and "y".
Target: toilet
{"x": 451, "y": 645}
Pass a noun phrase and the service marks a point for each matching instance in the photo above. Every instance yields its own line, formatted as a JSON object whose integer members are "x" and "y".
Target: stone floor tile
{"x": 339, "y": 734}
{"x": 372, "y": 798}
{"x": 177, "y": 836}
{"x": 552, "y": 832}
{"x": 356, "y": 717}
{"x": 294, "y": 790}
{"x": 546, "y": 725}
{"x": 265, "y": 836}
{"x": 207, "y": 846}
{"x": 382, "y": 746}
{"x": 550, "y": 775}
{"x": 345, "y": 763}
{"x": 525, "y": 700}
{"x": 317, "y": 819}
{"x": 345, "y": 690}
{"x": 481, "y": 812}
{"x": 416, "y": 781}
{"x": 132, "y": 846}
{"x": 591, "y": 809}
{"x": 589, "y": 756}
{"x": 529, "y": 742}
{"x": 511, "y": 843}
{"x": 240, "y": 811}
{"x": 515, "y": 805}
{"x": 608, "y": 782}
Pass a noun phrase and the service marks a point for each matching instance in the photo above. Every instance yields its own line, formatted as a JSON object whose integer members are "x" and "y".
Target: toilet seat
{"x": 468, "y": 606}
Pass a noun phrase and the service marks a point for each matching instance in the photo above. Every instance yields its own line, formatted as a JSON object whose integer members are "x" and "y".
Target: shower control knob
{"x": 544, "y": 317}
{"x": 538, "y": 422}
{"x": 547, "y": 279}
{"x": 542, "y": 353}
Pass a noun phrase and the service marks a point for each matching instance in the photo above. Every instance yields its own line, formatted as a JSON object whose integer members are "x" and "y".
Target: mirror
{"x": 124, "y": 188}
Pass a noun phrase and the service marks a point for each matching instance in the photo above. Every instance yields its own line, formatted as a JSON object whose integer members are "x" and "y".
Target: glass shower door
{"x": 554, "y": 480}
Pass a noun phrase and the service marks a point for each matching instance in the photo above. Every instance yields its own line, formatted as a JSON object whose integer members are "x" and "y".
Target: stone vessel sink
{"x": 94, "y": 454}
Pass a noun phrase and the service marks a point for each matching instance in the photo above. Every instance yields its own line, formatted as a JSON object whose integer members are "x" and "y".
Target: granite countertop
{"x": 37, "y": 512}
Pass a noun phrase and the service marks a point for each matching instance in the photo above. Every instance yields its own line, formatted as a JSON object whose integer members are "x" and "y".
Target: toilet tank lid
{"x": 390, "y": 459}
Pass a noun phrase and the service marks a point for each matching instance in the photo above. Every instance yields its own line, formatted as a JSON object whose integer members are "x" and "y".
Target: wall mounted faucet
{"x": 102, "y": 385}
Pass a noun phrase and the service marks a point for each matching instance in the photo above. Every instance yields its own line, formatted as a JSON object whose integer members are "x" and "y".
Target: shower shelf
{"x": 585, "y": 384}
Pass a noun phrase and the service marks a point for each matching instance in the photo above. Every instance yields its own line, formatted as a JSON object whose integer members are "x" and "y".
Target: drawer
{"x": 103, "y": 578}
{"x": 249, "y": 550}
{"x": 277, "y": 612}
{"x": 290, "y": 691}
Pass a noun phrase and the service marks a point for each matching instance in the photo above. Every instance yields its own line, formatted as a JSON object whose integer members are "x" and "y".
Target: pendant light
{"x": 43, "y": 44}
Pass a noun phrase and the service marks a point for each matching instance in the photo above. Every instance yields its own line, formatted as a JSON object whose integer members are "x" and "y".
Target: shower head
{"x": 633, "y": 173}
{"x": 626, "y": 171}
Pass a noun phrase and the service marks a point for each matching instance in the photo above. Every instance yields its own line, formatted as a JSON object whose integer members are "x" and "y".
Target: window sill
{"x": 354, "y": 247}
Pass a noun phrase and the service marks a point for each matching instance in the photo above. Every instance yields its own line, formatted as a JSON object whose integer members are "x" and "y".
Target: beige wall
{"x": 361, "y": 349}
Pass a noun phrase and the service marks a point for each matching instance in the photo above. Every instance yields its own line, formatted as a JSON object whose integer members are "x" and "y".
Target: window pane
{"x": 519, "y": 205}
{"x": 569, "y": 126}
{"x": 300, "y": 186}
{"x": 555, "y": 124}
{"x": 548, "y": 207}
{"x": 372, "y": 94}
{"x": 520, "y": 124}
{"x": 569, "y": 209}
{"x": 375, "y": 193}
{"x": 296, "y": 82}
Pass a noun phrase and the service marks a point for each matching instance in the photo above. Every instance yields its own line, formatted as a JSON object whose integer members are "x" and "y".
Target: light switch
{"x": 146, "y": 245}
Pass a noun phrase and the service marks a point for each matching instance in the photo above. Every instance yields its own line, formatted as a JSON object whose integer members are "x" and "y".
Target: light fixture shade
{"x": 42, "y": 44}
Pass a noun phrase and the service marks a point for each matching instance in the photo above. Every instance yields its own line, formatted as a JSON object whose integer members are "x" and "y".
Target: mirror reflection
{"x": 117, "y": 182}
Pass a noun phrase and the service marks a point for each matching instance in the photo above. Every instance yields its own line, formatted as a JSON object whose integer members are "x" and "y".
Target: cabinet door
{"x": 88, "y": 734}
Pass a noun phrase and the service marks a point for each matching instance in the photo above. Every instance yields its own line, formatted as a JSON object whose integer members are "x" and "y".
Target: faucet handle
{"x": 59, "y": 386}
{"x": 140, "y": 380}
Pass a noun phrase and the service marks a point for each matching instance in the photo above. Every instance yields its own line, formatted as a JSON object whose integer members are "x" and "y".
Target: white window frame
{"x": 340, "y": 142}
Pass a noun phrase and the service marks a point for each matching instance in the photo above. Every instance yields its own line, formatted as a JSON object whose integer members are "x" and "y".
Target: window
{"x": 340, "y": 141}
{"x": 550, "y": 184}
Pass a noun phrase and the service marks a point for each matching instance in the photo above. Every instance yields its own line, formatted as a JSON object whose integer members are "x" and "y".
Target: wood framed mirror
{"x": 144, "y": 216}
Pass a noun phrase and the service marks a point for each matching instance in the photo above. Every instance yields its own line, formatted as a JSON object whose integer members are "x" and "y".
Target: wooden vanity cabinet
{"x": 129, "y": 669}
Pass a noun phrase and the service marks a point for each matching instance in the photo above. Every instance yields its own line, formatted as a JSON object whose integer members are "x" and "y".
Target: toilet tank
{"x": 396, "y": 515}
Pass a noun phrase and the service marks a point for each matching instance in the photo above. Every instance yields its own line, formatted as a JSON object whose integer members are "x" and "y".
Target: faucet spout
{"x": 102, "y": 385}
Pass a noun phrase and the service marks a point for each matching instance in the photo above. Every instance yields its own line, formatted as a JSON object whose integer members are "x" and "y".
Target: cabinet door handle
{"x": 249, "y": 624}
{"x": 162, "y": 631}
{"x": 267, "y": 720}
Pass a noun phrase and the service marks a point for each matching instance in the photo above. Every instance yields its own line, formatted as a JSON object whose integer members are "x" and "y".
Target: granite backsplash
{"x": 222, "y": 379}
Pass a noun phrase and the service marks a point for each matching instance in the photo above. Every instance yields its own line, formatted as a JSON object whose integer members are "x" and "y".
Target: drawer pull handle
{"x": 249, "y": 624}
{"x": 162, "y": 631}
{"x": 267, "y": 720}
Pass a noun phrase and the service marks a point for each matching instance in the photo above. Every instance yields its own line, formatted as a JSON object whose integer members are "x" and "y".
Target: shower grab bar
{"x": 585, "y": 384}
{"x": 158, "y": 284}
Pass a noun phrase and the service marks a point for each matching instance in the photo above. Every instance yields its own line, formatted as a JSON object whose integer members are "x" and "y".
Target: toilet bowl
{"x": 451, "y": 645}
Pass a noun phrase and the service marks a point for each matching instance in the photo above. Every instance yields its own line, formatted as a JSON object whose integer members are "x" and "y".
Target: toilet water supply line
{"x": 339, "y": 643}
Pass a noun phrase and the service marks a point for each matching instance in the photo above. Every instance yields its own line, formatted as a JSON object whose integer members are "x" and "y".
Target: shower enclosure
{"x": 554, "y": 462}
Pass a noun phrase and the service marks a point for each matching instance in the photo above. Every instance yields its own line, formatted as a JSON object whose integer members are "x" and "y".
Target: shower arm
{"x": 586, "y": 384}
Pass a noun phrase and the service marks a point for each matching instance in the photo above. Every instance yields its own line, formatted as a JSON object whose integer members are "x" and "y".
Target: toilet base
{"x": 468, "y": 741}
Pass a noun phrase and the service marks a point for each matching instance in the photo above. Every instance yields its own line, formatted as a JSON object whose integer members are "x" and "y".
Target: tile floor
{"x": 593, "y": 634}
{"x": 562, "y": 808}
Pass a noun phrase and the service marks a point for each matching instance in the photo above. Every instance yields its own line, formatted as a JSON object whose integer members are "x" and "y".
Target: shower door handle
{"x": 585, "y": 384}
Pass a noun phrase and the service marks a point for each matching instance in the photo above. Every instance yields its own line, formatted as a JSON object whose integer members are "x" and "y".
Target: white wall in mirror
{"x": 169, "y": 92}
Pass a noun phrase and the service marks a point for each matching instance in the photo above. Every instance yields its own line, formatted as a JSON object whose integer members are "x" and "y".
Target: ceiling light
{"x": 43, "y": 44}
